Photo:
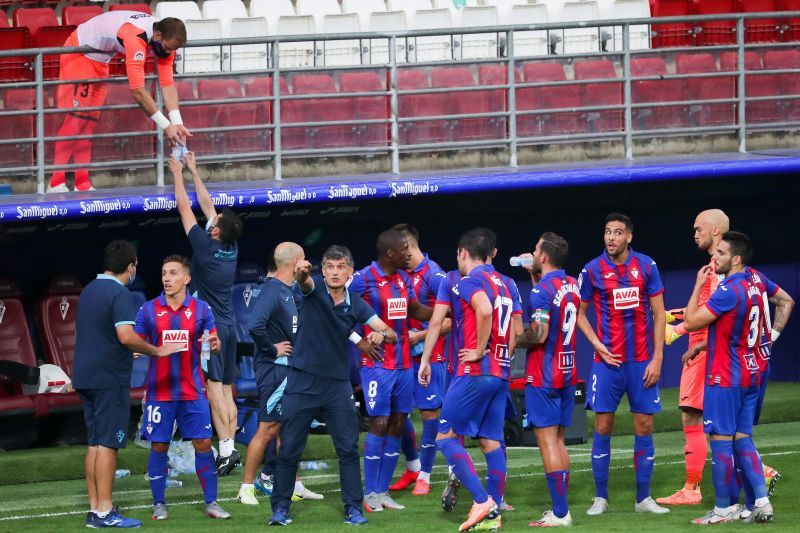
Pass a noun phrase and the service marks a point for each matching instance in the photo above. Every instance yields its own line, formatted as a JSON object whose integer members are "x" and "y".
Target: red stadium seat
{"x": 561, "y": 97}
{"x": 120, "y": 121}
{"x": 676, "y": 33}
{"x": 18, "y": 127}
{"x": 645, "y": 91}
{"x": 263, "y": 110}
{"x": 707, "y": 89}
{"x": 4, "y": 20}
{"x": 497, "y": 98}
{"x": 16, "y": 68}
{"x": 34, "y": 19}
{"x": 319, "y": 110}
{"x": 230, "y": 115}
{"x": 715, "y": 32}
{"x": 420, "y": 105}
{"x": 601, "y": 94}
{"x": 760, "y": 30}
{"x": 791, "y": 25}
{"x": 52, "y": 36}
{"x": 15, "y": 346}
{"x": 465, "y": 129}
{"x": 196, "y": 117}
{"x": 143, "y": 8}
{"x": 755, "y": 85}
{"x": 367, "y": 107}
{"x": 75, "y": 15}
{"x": 785, "y": 84}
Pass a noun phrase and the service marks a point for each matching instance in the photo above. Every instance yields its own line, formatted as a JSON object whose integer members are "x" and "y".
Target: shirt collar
{"x": 106, "y": 276}
{"x": 611, "y": 261}
{"x": 422, "y": 263}
{"x": 377, "y": 267}
{"x": 346, "y": 294}
{"x": 553, "y": 274}
{"x": 162, "y": 300}
{"x": 483, "y": 268}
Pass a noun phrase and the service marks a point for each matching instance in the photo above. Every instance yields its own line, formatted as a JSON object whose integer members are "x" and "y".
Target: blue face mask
{"x": 159, "y": 50}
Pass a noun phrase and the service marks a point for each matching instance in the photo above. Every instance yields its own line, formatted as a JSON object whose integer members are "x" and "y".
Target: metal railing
{"x": 512, "y": 121}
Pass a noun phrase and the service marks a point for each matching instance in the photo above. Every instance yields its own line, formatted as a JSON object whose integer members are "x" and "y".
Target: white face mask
{"x": 209, "y": 225}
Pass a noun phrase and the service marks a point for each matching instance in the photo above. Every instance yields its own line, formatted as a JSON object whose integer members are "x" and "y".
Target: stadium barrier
{"x": 651, "y": 102}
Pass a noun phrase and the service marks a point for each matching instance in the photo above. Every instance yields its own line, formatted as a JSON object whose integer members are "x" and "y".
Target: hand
{"x": 470, "y": 356}
{"x": 302, "y": 270}
{"x": 374, "y": 352}
{"x": 136, "y": 355}
{"x": 527, "y": 255}
{"x": 167, "y": 349}
{"x": 176, "y": 167}
{"x": 424, "y": 374}
{"x": 416, "y": 336}
{"x": 703, "y": 274}
{"x": 608, "y": 357}
{"x": 284, "y": 348}
{"x": 191, "y": 162}
{"x": 652, "y": 373}
{"x": 689, "y": 356}
{"x": 375, "y": 338}
{"x": 176, "y": 134}
{"x": 214, "y": 343}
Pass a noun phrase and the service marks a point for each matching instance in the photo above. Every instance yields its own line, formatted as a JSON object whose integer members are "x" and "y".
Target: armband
{"x": 160, "y": 120}
{"x": 541, "y": 316}
{"x": 175, "y": 117}
{"x": 775, "y": 334}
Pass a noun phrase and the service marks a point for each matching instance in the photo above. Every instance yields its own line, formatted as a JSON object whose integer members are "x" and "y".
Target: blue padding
{"x": 303, "y": 191}
{"x": 246, "y": 384}
{"x": 242, "y": 295}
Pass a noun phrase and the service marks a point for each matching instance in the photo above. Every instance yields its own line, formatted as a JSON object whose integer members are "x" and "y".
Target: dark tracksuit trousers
{"x": 307, "y": 396}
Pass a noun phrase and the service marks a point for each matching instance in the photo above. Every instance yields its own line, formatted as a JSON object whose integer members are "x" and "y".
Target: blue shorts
{"x": 430, "y": 398}
{"x": 271, "y": 382}
{"x": 193, "y": 417}
{"x": 475, "y": 407}
{"x": 387, "y": 391}
{"x": 107, "y": 413}
{"x": 728, "y": 410}
{"x": 547, "y": 406}
{"x": 609, "y": 383}
{"x": 762, "y": 391}
{"x": 222, "y": 366}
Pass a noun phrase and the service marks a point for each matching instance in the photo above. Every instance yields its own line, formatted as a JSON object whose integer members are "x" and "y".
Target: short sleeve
{"x": 135, "y": 54}
{"x": 357, "y": 284}
{"x": 362, "y": 311}
{"x": 123, "y": 309}
{"x": 141, "y": 327}
{"x": 654, "y": 284}
{"x": 722, "y": 301}
{"x": 443, "y": 292}
{"x": 468, "y": 287}
{"x": 539, "y": 299}
{"x": 208, "y": 320}
{"x": 516, "y": 305}
{"x": 585, "y": 285}
{"x": 435, "y": 282}
{"x": 771, "y": 287}
{"x": 199, "y": 239}
{"x": 412, "y": 293}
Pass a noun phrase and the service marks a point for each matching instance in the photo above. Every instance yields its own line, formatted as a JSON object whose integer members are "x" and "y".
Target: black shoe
{"x": 450, "y": 494}
{"x": 226, "y": 464}
{"x": 238, "y": 457}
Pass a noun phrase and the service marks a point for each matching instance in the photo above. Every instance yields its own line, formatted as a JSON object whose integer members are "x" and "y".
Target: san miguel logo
{"x": 627, "y": 298}
{"x": 64, "y": 307}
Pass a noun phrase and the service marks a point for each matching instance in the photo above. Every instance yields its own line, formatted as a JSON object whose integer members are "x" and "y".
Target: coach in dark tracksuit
{"x": 319, "y": 381}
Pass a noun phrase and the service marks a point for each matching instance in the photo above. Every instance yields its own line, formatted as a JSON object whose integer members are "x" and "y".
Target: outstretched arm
{"x": 203, "y": 198}
{"x": 182, "y": 197}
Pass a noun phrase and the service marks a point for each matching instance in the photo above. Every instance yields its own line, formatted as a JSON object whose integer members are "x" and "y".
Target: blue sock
{"x": 428, "y": 444}
{"x": 749, "y": 493}
{"x": 409, "y": 443}
{"x": 601, "y": 460}
{"x": 752, "y": 468}
{"x": 722, "y": 471}
{"x": 373, "y": 452}
{"x": 391, "y": 453}
{"x": 496, "y": 474}
{"x": 458, "y": 458}
{"x": 157, "y": 472}
{"x": 736, "y": 481}
{"x": 644, "y": 454}
{"x": 207, "y": 474}
{"x": 557, "y": 484}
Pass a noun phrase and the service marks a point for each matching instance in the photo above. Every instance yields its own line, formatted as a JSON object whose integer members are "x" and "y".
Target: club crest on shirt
{"x": 635, "y": 273}
{"x": 188, "y": 314}
{"x": 138, "y": 56}
{"x": 64, "y": 307}
{"x": 247, "y": 293}
{"x": 179, "y": 337}
{"x": 626, "y": 298}
{"x": 397, "y": 308}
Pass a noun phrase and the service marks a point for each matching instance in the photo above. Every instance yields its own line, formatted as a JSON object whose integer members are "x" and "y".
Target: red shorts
{"x": 692, "y": 383}
{"x": 78, "y": 95}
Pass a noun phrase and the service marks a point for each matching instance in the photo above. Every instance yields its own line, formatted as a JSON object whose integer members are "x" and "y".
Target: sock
{"x": 409, "y": 444}
{"x": 749, "y": 493}
{"x": 226, "y": 447}
{"x": 414, "y": 465}
{"x": 391, "y": 453}
{"x": 102, "y": 514}
{"x": 557, "y": 483}
{"x": 644, "y": 454}
{"x": 298, "y": 486}
{"x": 601, "y": 461}
{"x": 736, "y": 481}
{"x": 157, "y": 473}
{"x": 207, "y": 474}
{"x": 694, "y": 454}
{"x": 373, "y": 450}
{"x": 428, "y": 444}
{"x": 424, "y": 476}
{"x": 459, "y": 459}
{"x": 496, "y": 474}
{"x": 247, "y": 486}
{"x": 747, "y": 456}
{"x": 722, "y": 471}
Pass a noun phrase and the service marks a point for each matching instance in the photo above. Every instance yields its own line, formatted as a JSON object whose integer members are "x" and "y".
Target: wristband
{"x": 355, "y": 338}
{"x": 775, "y": 334}
{"x": 160, "y": 120}
{"x": 175, "y": 117}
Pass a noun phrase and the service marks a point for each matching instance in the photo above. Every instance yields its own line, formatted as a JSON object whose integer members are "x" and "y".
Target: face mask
{"x": 209, "y": 225}
{"x": 158, "y": 49}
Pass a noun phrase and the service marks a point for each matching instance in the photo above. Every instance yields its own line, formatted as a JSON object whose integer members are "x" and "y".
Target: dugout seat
{"x": 15, "y": 346}
{"x": 367, "y": 107}
{"x": 75, "y": 15}
{"x": 15, "y": 68}
{"x": 564, "y": 96}
{"x": 56, "y": 312}
{"x": 35, "y": 19}
{"x": 600, "y": 94}
{"x": 420, "y": 105}
{"x": 660, "y": 90}
{"x": 246, "y": 287}
{"x": 755, "y": 85}
{"x": 707, "y": 89}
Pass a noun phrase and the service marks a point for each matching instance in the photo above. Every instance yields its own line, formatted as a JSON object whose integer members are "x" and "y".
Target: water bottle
{"x": 172, "y": 473}
{"x": 173, "y": 483}
{"x": 122, "y": 473}
{"x": 524, "y": 262}
{"x": 313, "y": 465}
{"x": 205, "y": 347}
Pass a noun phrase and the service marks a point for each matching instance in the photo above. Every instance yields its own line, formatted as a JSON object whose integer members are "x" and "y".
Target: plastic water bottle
{"x": 122, "y": 473}
{"x": 173, "y": 483}
{"x": 172, "y": 473}
{"x": 313, "y": 465}
{"x": 205, "y": 347}
{"x": 517, "y": 261}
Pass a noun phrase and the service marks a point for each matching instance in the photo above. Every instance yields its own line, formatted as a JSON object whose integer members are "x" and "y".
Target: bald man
{"x": 273, "y": 326}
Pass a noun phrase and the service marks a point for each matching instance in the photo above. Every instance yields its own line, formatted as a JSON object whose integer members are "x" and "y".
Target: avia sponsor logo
{"x": 346, "y": 191}
{"x": 627, "y": 298}
{"x": 285, "y": 196}
{"x": 160, "y": 203}
{"x": 40, "y": 211}
{"x": 409, "y": 188}
{"x": 222, "y": 199}
{"x": 104, "y": 206}
{"x": 565, "y": 289}
{"x": 179, "y": 337}
{"x": 397, "y": 308}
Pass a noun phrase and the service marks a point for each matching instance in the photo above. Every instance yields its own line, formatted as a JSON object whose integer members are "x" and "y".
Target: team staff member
{"x": 319, "y": 381}
{"x": 215, "y": 253}
{"x": 104, "y": 340}
{"x": 131, "y": 34}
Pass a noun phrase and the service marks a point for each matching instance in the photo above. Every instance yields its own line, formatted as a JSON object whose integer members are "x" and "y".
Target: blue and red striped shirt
{"x": 426, "y": 279}
{"x": 390, "y": 298}
{"x": 452, "y": 340}
{"x": 620, "y": 294}
{"x": 768, "y": 289}
{"x": 552, "y": 363}
{"x": 497, "y": 361}
{"x": 177, "y": 376}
